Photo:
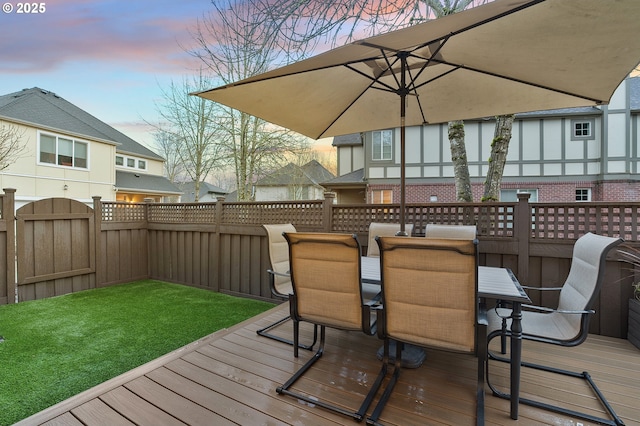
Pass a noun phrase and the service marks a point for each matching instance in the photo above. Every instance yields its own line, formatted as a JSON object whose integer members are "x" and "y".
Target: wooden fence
{"x": 223, "y": 247}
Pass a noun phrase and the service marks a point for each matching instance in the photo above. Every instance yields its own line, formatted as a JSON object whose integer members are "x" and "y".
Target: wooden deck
{"x": 230, "y": 377}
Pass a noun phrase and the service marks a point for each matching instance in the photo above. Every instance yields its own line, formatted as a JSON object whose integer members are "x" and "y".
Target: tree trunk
{"x": 459, "y": 159}
{"x": 196, "y": 186}
{"x": 498, "y": 158}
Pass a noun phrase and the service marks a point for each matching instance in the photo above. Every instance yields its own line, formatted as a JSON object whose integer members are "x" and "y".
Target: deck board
{"x": 230, "y": 378}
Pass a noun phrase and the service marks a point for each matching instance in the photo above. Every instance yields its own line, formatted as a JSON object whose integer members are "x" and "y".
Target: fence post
{"x": 97, "y": 240}
{"x": 327, "y": 211}
{"x": 523, "y": 235}
{"x": 216, "y": 249}
{"x": 8, "y": 215}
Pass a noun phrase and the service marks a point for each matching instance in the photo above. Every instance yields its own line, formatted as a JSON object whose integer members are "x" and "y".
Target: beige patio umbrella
{"x": 505, "y": 57}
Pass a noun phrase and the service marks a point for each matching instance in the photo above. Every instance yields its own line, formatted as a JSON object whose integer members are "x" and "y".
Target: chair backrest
{"x": 325, "y": 273}
{"x": 383, "y": 230}
{"x": 582, "y": 286}
{"x": 429, "y": 291}
{"x": 279, "y": 256}
{"x": 454, "y": 232}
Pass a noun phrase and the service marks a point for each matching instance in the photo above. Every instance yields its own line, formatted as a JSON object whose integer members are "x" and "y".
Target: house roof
{"x": 205, "y": 188}
{"x": 356, "y": 177}
{"x": 140, "y": 182}
{"x": 352, "y": 139}
{"x": 45, "y": 109}
{"x": 311, "y": 173}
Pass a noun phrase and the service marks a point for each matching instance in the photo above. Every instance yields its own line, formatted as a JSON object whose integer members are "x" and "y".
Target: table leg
{"x": 516, "y": 357}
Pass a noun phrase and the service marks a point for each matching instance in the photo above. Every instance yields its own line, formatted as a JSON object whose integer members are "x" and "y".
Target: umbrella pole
{"x": 402, "y": 175}
{"x": 403, "y": 98}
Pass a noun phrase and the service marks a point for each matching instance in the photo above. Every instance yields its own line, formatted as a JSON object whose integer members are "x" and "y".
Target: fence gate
{"x": 55, "y": 248}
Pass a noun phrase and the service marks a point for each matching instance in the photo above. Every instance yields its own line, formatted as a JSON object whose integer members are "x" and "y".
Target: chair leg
{"x": 377, "y": 411}
{"x": 584, "y": 375}
{"x": 358, "y": 415}
{"x": 264, "y": 333}
{"x": 503, "y": 337}
{"x": 482, "y": 363}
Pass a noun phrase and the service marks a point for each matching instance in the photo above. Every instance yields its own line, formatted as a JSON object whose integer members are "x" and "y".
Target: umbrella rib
{"x": 481, "y": 23}
{"x": 373, "y": 81}
{"x": 504, "y": 77}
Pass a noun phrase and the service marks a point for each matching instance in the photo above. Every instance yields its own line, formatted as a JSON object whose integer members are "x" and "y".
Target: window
{"x": 583, "y": 194}
{"x": 582, "y": 129}
{"x": 80, "y": 155}
{"x": 382, "y": 144}
{"x": 381, "y": 196}
{"x": 47, "y": 149}
{"x": 63, "y": 151}
{"x": 131, "y": 162}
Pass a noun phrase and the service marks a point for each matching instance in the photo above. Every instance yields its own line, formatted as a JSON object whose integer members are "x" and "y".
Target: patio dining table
{"x": 493, "y": 283}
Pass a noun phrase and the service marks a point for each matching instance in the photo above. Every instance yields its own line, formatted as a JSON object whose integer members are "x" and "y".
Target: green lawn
{"x": 58, "y": 347}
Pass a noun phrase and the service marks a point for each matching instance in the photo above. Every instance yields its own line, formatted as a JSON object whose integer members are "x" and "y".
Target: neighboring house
{"x": 576, "y": 154}
{"x": 293, "y": 183}
{"x": 208, "y": 193}
{"x": 72, "y": 154}
{"x": 350, "y": 188}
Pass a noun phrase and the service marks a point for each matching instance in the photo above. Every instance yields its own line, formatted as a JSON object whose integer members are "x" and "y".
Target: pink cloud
{"x": 120, "y": 32}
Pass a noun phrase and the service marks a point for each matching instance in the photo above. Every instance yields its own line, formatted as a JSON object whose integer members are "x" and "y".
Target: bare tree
{"x": 167, "y": 146}
{"x": 12, "y": 146}
{"x": 236, "y": 41}
{"x": 289, "y": 30}
{"x": 192, "y": 126}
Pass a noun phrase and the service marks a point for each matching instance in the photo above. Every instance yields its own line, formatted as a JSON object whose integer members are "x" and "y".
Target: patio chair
{"x": 454, "y": 232}
{"x": 383, "y": 230}
{"x": 279, "y": 279}
{"x": 325, "y": 273}
{"x": 429, "y": 298}
{"x": 568, "y": 324}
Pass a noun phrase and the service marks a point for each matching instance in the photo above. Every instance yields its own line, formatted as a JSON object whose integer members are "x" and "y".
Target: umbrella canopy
{"x": 504, "y": 57}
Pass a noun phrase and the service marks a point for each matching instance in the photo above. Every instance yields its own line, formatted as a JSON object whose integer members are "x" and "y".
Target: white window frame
{"x": 382, "y": 137}
{"x": 131, "y": 163}
{"x": 582, "y": 129}
{"x": 581, "y": 193}
{"x": 57, "y": 139}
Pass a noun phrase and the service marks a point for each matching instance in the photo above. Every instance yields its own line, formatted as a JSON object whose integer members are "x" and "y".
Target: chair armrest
{"x": 277, "y": 273}
{"x": 559, "y": 311}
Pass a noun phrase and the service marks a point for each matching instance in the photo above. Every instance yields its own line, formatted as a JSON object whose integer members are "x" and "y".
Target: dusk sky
{"x": 109, "y": 58}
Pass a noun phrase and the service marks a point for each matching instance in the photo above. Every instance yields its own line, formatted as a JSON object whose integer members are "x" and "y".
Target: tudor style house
{"x": 71, "y": 154}
{"x": 576, "y": 154}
